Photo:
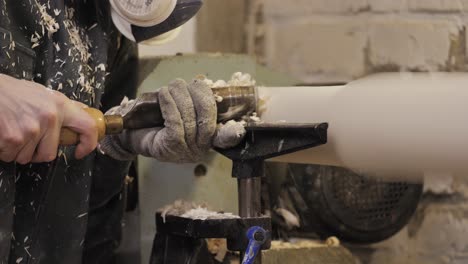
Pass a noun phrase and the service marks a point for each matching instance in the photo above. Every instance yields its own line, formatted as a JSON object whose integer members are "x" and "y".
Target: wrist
{"x": 112, "y": 146}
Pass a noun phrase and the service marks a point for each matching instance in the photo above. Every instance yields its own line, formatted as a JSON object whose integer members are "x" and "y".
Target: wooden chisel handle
{"x": 69, "y": 137}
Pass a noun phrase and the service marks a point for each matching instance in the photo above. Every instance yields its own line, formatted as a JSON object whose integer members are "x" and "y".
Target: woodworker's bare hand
{"x": 31, "y": 117}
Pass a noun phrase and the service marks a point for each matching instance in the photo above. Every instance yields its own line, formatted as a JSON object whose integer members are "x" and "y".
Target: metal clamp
{"x": 257, "y": 237}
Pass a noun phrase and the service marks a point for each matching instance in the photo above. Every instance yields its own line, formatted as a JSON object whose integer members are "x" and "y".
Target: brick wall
{"x": 340, "y": 40}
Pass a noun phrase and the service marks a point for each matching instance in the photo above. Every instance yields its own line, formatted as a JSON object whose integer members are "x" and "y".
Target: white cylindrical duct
{"x": 395, "y": 122}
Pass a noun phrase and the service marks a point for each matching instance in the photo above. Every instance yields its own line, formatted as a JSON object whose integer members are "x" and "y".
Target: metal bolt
{"x": 259, "y": 236}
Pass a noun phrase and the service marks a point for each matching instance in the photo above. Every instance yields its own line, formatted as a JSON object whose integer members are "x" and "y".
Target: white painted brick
{"x": 438, "y": 5}
{"x": 318, "y": 49}
{"x": 289, "y": 8}
{"x": 388, "y": 5}
{"x": 422, "y": 43}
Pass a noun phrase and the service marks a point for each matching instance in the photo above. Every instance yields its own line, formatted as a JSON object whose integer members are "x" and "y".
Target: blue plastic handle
{"x": 257, "y": 237}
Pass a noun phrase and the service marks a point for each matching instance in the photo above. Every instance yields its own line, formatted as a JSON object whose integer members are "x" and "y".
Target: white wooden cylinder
{"x": 407, "y": 122}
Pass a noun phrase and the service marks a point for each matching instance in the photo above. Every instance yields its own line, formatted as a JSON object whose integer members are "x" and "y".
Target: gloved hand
{"x": 189, "y": 131}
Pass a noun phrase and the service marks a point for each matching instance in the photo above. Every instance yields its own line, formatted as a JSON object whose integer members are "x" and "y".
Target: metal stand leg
{"x": 249, "y": 190}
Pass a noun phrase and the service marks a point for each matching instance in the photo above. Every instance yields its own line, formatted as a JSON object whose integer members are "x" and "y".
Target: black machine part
{"x": 178, "y": 239}
{"x": 353, "y": 207}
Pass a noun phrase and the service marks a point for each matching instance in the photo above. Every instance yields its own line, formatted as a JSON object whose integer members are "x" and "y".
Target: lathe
{"x": 393, "y": 126}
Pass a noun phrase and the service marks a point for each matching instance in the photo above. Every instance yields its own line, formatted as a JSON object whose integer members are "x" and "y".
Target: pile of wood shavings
{"x": 79, "y": 50}
{"x": 47, "y": 21}
{"x": 192, "y": 211}
{"x": 201, "y": 213}
{"x": 178, "y": 208}
{"x": 237, "y": 79}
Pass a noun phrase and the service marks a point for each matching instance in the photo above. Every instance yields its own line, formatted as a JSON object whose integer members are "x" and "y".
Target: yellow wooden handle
{"x": 69, "y": 137}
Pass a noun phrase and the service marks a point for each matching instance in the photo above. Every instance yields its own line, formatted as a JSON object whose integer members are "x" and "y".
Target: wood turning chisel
{"x": 233, "y": 103}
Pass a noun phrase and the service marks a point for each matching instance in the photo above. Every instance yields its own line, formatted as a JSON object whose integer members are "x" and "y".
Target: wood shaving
{"x": 332, "y": 241}
{"x": 12, "y": 45}
{"x": 93, "y": 26}
{"x": 254, "y": 118}
{"x": 27, "y": 251}
{"x": 218, "y": 98}
{"x": 101, "y": 67}
{"x": 291, "y": 220}
{"x": 82, "y": 215}
{"x": 60, "y": 154}
{"x": 280, "y": 145}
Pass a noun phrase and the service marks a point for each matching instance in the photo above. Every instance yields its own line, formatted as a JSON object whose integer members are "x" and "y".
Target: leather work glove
{"x": 189, "y": 131}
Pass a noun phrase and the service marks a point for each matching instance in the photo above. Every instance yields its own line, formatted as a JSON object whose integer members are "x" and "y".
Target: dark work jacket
{"x": 67, "y": 211}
